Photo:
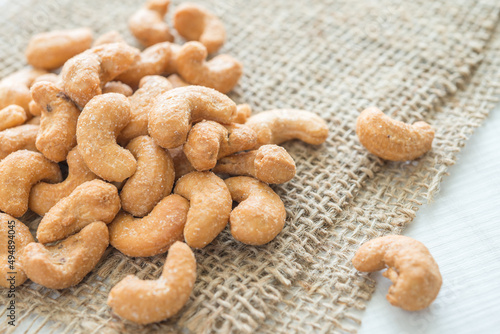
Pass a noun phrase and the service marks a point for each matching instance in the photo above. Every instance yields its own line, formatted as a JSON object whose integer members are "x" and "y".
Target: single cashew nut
{"x": 99, "y": 124}
{"x": 221, "y": 73}
{"x": 44, "y": 196}
{"x": 177, "y": 81}
{"x": 270, "y": 164}
{"x": 12, "y": 116}
{"x": 195, "y": 23}
{"x": 153, "y": 179}
{"x": 145, "y": 302}
{"x": 261, "y": 214}
{"x": 412, "y": 269}
{"x": 153, "y": 234}
{"x": 50, "y": 50}
{"x": 15, "y": 88}
{"x": 210, "y": 205}
{"x": 243, "y": 112}
{"x": 147, "y": 23}
{"x": 66, "y": 263}
{"x": 209, "y": 141}
{"x": 14, "y": 236}
{"x": 22, "y": 137}
{"x": 181, "y": 162}
{"x": 390, "y": 139}
{"x": 171, "y": 117}
{"x": 110, "y": 37}
{"x": 19, "y": 171}
{"x": 34, "y": 108}
{"x": 117, "y": 87}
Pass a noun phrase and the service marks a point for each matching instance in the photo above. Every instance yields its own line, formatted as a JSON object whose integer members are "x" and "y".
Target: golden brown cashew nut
{"x": 278, "y": 126}
{"x": 153, "y": 234}
{"x": 99, "y": 124}
{"x": 220, "y": 73}
{"x": 209, "y": 141}
{"x": 145, "y": 302}
{"x": 12, "y": 116}
{"x": 19, "y": 171}
{"x": 117, "y": 87}
{"x": 22, "y": 137}
{"x": 44, "y": 196}
{"x": 412, "y": 269}
{"x": 390, "y": 139}
{"x": 15, "y": 88}
{"x": 243, "y": 112}
{"x": 210, "y": 205}
{"x": 66, "y": 263}
{"x": 85, "y": 75}
{"x": 91, "y": 201}
{"x": 110, "y": 37}
{"x": 147, "y": 23}
{"x": 171, "y": 117}
{"x": 34, "y": 108}
{"x": 153, "y": 179}
{"x": 181, "y": 162}
{"x": 270, "y": 164}
{"x": 195, "y": 23}
{"x": 14, "y": 236}
{"x": 261, "y": 214}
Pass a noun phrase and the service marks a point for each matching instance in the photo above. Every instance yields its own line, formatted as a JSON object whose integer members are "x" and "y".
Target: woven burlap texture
{"x": 421, "y": 60}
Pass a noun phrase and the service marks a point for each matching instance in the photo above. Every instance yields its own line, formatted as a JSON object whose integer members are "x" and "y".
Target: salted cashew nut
{"x": 210, "y": 205}
{"x": 147, "y": 24}
{"x": 19, "y": 172}
{"x": 171, "y": 117}
{"x": 390, "y": 139}
{"x": 22, "y": 137}
{"x": 12, "y": 116}
{"x": 99, "y": 124}
{"x": 34, "y": 108}
{"x": 66, "y": 263}
{"x": 153, "y": 234}
{"x": 153, "y": 179}
{"x": 196, "y": 23}
{"x": 181, "y": 162}
{"x": 411, "y": 268}
{"x": 221, "y": 73}
{"x": 14, "y": 236}
{"x": 85, "y": 75}
{"x": 44, "y": 196}
{"x": 269, "y": 163}
{"x": 243, "y": 112}
{"x": 260, "y": 214}
{"x": 209, "y": 141}
{"x": 117, "y": 87}
{"x": 110, "y": 37}
{"x": 15, "y": 88}
{"x": 177, "y": 81}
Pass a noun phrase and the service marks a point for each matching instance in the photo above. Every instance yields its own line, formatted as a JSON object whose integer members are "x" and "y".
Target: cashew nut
{"x": 411, "y": 268}
{"x": 147, "y": 23}
{"x": 15, "y": 88}
{"x": 50, "y": 50}
{"x": 390, "y": 139}
{"x": 19, "y": 171}
{"x": 171, "y": 117}
{"x": 153, "y": 179}
{"x": 12, "y": 116}
{"x": 34, "y": 108}
{"x": 66, "y": 263}
{"x": 221, "y": 73}
{"x": 243, "y": 112}
{"x": 117, "y": 87}
{"x": 261, "y": 214}
{"x": 99, "y": 124}
{"x": 210, "y": 205}
{"x": 22, "y": 137}
{"x": 181, "y": 162}
{"x": 153, "y": 234}
{"x": 269, "y": 163}
{"x": 209, "y": 141}
{"x": 110, "y": 37}
{"x": 195, "y": 23}
{"x": 44, "y": 196}
{"x": 177, "y": 81}
{"x": 85, "y": 75}
{"x": 145, "y": 302}
{"x": 14, "y": 236}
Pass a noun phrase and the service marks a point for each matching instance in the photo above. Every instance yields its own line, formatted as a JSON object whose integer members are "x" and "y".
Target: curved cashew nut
{"x": 117, "y": 87}
{"x": 171, "y": 117}
{"x": 181, "y": 162}
{"x": 145, "y": 302}
{"x": 66, "y": 263}
{"x": 153, "y": 234}
{"x": 14, "y": 236}
{"x": 153, "y": 179}
{"x": 209, "y": 141}
{"x": 261, "y": 214}
{"x": 44, "y": 196}
{"x": 19, "y": 171}
{"x": 99, "y": 124}
{"x": 278, "y": 126}
{"x": 220, "y": 73}
{"x": 110, "y": 37}
{"x": 147, "y": 23}
{"x": 15, "y": 88}
{"x": 22, "y": 137}
{"x": 210, "y": 205}
{"x": 270, "y": 164}
{"x": 412, "y": 269}
{"x": 12, "y": 116}
{"x": 390, "y": 139}
{"x": 195, "y": 23}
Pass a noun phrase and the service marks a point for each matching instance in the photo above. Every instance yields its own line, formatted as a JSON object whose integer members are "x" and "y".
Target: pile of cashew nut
{"x": 158, "y": 158}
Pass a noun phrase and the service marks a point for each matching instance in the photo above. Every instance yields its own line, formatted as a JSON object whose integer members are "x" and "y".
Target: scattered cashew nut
{"x": 15, "y": 88}
{"x": 147, "y": 23}
{"x": 22, "y": 137}
{"x": 12, "y": 116}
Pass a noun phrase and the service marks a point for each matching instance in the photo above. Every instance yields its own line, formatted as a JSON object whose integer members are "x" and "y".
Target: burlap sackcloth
{"x": 429, "y": 60}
